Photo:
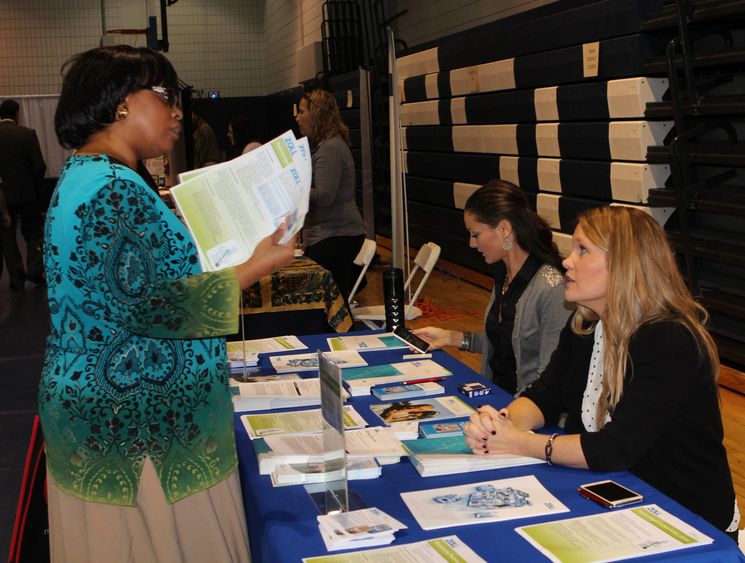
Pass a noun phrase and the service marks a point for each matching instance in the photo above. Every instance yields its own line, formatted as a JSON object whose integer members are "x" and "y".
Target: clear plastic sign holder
{"x": 332, "y": 495}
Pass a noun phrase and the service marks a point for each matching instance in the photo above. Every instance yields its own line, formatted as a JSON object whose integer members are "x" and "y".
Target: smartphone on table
{"x": 609, "y": 494}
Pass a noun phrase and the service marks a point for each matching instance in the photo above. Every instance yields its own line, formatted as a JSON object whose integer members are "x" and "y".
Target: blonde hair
{"x": 325, "y": 118}
{"x": 644, "y": 286}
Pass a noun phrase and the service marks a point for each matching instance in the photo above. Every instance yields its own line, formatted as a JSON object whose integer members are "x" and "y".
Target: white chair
{"x": 374, "y": 316}
{"x": 364, "y": 259}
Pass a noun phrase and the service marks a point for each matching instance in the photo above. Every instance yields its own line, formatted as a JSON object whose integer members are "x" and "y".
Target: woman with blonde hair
{"x": 635, "y": 371}
{"x": 333, "y": 233}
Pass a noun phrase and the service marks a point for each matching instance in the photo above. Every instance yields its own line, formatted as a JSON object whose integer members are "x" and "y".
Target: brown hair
{"x": 325, "y": 118}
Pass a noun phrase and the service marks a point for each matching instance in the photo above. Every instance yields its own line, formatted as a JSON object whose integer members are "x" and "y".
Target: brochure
{"x": 398, "y": 392}
{"x": 265, "y": 345}
{"x": 318, "y": 472}
{"x": 307, "y": 362}
{"x": 295, "y": 422}
{"x": 277, "y": 394}
{"x": 446, "y": 549}
{"x": 443, "y": 429}
{"x": 478, "y": 503}
{"x": 230, "y": 207}
{"x": 237, "y": 378}
{"x": 357, "y": 528}
{"x": 450, "y": 455}
{"x": 613, "y": 536}
{"x": 366, "y": 343}
{"x": 360, "y": 380}
{"x": 436, "y": 408}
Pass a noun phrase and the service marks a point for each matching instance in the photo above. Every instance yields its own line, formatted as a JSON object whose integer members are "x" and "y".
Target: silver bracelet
{"x": 465, "y": 344}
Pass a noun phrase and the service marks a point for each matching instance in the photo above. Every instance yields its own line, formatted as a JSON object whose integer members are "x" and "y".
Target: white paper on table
{"x": 614, "y": 535}
{"x": 294, "y": 422}
{"x": 265, "y": 345}
{"x": 357, "y": 528}
{"x": 478, "y": 503}
{"x": 306, "y": 362}
{"x": 367, "y": 342}
{"x": 438, "y": 550}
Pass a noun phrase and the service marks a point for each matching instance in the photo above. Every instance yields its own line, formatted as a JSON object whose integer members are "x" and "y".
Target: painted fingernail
{"x": 493, "y": 432}
{"x": 480, "y": 406}
{"x": 484, "y": 446}
{"x": 486, "y": 451}
{"x": 485, "y": 438}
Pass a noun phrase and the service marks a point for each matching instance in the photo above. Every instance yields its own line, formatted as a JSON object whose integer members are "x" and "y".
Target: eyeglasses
{"x": 169, "y": 96}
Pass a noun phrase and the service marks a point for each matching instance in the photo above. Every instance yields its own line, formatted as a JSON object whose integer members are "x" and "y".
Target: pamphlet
{"x": 360, "y": 380}
{"x": 357, "y": 528}
{"x": 295, "y": 422}
{"x": 446, "y": 549}
{"x": 613, "y": 535}
{"x": 443, "y": 429}
{"x": 397, "y": 392}
{"x": 478, "y": 503}
{"x": 320, "y": 472}
{"x": 307, "y": 362}
{"x": 230, "y": 207}
{"x": 277, "y": 394}
{"x": 436, "y": 408}
{"x": 367, "y": 342}
{"x": 265, "y": 345}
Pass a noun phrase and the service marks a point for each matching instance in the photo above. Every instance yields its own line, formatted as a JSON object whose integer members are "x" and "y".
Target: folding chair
{"x": 374, "y": 316}
{"x": 364, "y": 259}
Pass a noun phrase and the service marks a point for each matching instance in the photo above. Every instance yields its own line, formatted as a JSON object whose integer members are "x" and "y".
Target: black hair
{"x": 9, "y": 109}
{"x": 498, "y": 200}
{"x": 97, "y": 81}
{"x": 243, "y": 131}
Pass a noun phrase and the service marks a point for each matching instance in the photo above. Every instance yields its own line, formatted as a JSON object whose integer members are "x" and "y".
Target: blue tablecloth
{"x": 282, "y": 521}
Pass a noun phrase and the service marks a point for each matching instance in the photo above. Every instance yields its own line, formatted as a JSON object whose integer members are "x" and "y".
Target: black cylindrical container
{"x": 393, "y": 298}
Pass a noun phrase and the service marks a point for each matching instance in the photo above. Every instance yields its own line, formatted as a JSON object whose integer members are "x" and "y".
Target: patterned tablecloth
{"x": 301, "y": 285}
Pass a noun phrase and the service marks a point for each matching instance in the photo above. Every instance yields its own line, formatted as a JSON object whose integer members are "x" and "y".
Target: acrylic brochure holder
{"x": 332, "y": 495}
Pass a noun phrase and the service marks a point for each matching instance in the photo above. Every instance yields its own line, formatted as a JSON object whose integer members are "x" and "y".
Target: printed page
{"x": 229, "y": 208}
{"x": 306, "y": 362}
{"x": 375, "y": 441}
{"x": 366, "y": 342}
{"x": 294, "y": 388}
{"x": 439, "y": 550}
{"x": 434, "y": 408}
{"x": 265, "y": 345}
{"x": 477, "y": 503}
{"x": 613, "y": 535}
{"x": 294, "y": 422}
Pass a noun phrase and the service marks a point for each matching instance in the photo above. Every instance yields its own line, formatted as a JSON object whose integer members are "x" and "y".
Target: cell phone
{"x": 405, "y": 334}
{"x": 609, "y": 494}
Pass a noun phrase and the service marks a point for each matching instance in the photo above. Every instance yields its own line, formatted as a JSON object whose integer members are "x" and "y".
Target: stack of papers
{"x": 318, "y": 472}
{"x": 277, "y": 394}
{"x": 442, "y": 429}
{"x": 357, "y": 528}
{"x": 435, "y": 408}
{"x": 246, "y": 352}
{"x": 450, "y": 455}
{"x": 308, "y": 362}
{"x": 397, "y": 392}
{"x": 360, "y": 380}
{"x": 295, "y": 422}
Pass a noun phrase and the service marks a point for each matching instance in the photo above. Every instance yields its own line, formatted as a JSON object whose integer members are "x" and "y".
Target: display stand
{"x": 332, "y": 495}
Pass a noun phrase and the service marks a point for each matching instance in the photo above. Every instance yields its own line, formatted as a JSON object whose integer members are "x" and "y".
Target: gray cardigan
{"x": 540, "y": 315}
{"x": 333, "y": 209}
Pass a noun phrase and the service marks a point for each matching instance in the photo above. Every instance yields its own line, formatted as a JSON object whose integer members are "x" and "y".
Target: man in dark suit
{"x": 22, "y": 171}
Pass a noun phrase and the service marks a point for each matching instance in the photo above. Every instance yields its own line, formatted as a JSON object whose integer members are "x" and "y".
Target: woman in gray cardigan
{"x": 333, "y": 233}
{"x": 526, "y": 311}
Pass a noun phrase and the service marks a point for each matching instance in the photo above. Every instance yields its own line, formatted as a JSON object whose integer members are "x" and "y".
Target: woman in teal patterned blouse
{"x": 134, "y": 396}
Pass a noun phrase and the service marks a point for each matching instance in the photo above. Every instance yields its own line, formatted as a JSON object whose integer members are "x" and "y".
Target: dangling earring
{"x": 121, "y": 113}
{"x": 507, "y": 245}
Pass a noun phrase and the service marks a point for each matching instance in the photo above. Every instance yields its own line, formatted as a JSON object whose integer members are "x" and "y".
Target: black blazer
{"x": 22, "y": 165}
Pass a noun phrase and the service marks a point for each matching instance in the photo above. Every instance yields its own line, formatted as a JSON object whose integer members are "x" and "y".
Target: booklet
{"x": 318, "y": 472}
{"x": 446, "y": 549}
{"x": 360, "y": 380}
{"x": 443, "y": 429}
{"x": 295, "y": 422}
{"x": 436, "y": 408}
{"x": 478, "y": 503}
{"x": 238, "y": 378}
{"x": 307, "y": 362}
{"x": 357, "y": 528}
{"x": 285, "y": 343}
{"x": 230, "y": 207}
{"x": 277, "y": 394}
{"x": 450, "y": 455}
{"x": 397, "y": 392}
{"x": 613, "y": 535}
{"x": 367, "y": 342}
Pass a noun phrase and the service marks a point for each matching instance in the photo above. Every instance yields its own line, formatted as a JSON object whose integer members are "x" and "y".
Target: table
{"x": 282, "y": 521}
{"x": 300, "y": 299}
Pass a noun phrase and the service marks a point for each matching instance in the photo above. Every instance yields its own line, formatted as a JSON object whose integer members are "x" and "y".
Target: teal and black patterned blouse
{"x": 134, "y": 367}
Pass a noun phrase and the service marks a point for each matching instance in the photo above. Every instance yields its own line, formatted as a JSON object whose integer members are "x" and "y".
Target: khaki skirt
{"x": 207, "y": 526}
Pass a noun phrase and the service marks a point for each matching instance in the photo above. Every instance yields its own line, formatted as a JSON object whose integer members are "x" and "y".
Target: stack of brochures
{"x": 357, "y": 528}
{"x": 245, "y": 353}
{"x": 318, "y": 472}
{"x": 436, "y": 408}
{"x": 360, "y": 380}
{"x": 280, "y": 394}
{"x": 442, "y": 429}
{"x": 366, "y": 342}
{"x": 450, "y": 455}
{"x": 295, "y": 422}
{"x": 307, "y": 362}
{"x": 406, "y": 391}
